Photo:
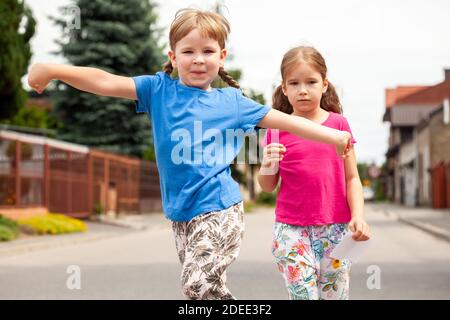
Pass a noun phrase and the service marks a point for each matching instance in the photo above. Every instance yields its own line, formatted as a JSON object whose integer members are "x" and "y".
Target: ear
{"x": 325, "y": 85}
{"x": 283, "y": 88}
{"x": 223, "y": 55}
{"x": 172, "y": 58}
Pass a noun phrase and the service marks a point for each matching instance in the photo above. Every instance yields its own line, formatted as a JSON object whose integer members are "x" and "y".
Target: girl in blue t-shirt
{"x": 192, "y": 124}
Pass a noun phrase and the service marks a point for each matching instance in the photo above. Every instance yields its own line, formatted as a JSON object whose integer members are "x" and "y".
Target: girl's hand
{"x": 39, "y": 77}
{"x": 360, "y": 229}
{"x": 344, "y": 144}
{"x": 273, "y": 154}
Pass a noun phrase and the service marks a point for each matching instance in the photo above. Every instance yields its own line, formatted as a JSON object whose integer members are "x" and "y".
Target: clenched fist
{"x": 273, "y": 153}
{"x": 39, "y": 77}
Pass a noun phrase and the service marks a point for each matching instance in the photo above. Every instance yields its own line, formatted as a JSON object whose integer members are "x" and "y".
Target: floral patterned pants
{"x": 302, "y": 254}
{"x": 206, "y": 246}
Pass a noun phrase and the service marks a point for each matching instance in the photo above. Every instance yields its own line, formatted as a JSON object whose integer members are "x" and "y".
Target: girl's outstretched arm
{"x": 307, "y": 129}
{"x": 83, "y": 78}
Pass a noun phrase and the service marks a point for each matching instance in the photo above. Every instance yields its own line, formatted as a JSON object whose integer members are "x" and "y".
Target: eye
{"x": 293, "y": 83}
{"x": 312, "y": 81}
{"x": 209, "y": 51}
{"x": 187, "y": 51}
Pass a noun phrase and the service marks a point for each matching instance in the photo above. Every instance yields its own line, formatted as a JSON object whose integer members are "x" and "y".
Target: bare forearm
{"x": 307, "y": 129}
{"x": 83, "y": 78}
{"x": 355, "y": 198}
{"x": 268, "y": 182}
{"x": 302, "y": 127}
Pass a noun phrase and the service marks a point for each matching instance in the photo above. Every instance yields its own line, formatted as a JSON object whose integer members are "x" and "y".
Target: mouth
{"x": 303, "y": 100}
{"x": 198, "y": 72}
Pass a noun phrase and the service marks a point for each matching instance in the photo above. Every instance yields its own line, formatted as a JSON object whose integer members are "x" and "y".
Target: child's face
{"x": 304, "y": 87}
{"x": 197, "y": 59}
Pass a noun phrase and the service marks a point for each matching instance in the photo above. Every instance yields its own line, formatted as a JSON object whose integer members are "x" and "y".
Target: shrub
{"x": 9, "y": 229}
{"x": 6, "y": 234}
{"x": 52, "y": 224}
{"x": 248, "y": 206}
{"x": 9, "y": 223}
{"x": 267, "y": 198}
{"x": 380, "y": 194}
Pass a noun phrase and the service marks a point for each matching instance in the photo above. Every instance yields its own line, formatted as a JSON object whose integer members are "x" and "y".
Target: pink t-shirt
{"x": 312, "y": 189}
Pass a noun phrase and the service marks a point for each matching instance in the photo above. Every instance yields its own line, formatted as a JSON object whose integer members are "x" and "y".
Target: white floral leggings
{"x": 206, "y": 246}
{"x": 302, "y": 254}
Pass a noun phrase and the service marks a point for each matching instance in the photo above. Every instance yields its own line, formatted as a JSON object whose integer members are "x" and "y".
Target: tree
{"x": 31, "y": 117}
{"x": 362, "y": 170}
{"x": 120, "y": 37}
{"x": 17, "y": 26}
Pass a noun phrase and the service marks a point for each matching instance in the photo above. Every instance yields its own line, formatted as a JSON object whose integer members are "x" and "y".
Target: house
{"x": 433, "y": 162}
{"x": 419, "y": 140}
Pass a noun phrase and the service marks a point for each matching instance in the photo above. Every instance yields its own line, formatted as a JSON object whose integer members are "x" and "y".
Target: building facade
{"x": 419, "y": 141}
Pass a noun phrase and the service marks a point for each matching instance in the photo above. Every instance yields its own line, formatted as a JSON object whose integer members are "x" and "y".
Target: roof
{"x": 393, "y": 95}
{"x": 419, "y": 101}
{"x": 431, "y": 95}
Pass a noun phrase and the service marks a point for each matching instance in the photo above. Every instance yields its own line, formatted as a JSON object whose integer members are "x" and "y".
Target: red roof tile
{"x": 396, "y": 94}
{"x": 431, "y": 95}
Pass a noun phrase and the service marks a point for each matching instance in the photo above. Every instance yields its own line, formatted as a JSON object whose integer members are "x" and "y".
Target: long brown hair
{"x": 210, "y": 24}
{"x": 330, "y": 99}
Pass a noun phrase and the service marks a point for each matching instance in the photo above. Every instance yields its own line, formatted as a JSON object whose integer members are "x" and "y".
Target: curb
{"x": 427, "y": 227}
{"x": 436, "y": 231}
{"x": 124, "y": 224}
{"x": 51, "y": 243}
{"x": 76, "y": 239}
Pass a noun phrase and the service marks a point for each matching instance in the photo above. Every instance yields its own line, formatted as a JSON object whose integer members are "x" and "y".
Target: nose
{"x": 302, "y": 91}
{"x": 199, "y": 59}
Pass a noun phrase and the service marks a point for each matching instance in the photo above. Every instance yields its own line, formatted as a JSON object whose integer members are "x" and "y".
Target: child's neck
{"x": 317, "y": 115}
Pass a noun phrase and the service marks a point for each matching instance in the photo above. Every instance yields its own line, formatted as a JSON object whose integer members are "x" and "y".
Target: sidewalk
{"x": 434, "y": 221}
{"x": 135, "y": 221}
{"x": 107, "y": 228}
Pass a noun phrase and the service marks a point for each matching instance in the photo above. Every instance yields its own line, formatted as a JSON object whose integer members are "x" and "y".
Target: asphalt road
{"x": 411, "y": 264}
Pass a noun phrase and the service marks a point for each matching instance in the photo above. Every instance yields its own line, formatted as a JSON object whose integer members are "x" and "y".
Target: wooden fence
{"x": 73, "y": 179}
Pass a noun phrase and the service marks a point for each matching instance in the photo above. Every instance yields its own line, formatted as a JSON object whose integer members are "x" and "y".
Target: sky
{"x": 368, "y": 46}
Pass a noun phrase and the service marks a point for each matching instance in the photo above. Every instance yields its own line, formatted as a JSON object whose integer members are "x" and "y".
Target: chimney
{"x": 447, "y": 74}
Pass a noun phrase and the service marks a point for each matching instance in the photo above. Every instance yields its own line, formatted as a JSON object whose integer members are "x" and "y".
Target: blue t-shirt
{"x": 196, "y": 134}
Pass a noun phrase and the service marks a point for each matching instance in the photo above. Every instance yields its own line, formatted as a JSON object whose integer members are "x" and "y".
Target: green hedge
{"x": 267, "y": 198}
{"x": 248, "y": 207}
{"x": 52, "y": 224}
{"x": 9, "y": 229}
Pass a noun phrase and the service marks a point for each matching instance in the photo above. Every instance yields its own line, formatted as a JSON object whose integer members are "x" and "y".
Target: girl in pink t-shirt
{"x": 320, "y": 196}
